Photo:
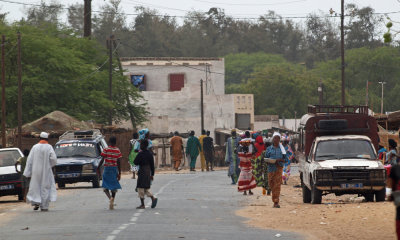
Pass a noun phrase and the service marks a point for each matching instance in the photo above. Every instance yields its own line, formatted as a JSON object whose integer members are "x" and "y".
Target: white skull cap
{"x": 276, "y": 134}
{"x": 44, "y": 135}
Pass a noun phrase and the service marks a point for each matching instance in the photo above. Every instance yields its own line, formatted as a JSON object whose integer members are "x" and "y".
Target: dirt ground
{"x": 336, "y": 218}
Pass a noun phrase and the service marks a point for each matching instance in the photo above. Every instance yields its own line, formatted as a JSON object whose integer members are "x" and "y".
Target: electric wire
{"x": 178, "y": 64}
{"x": 94, "y": 72}
{"x": 251, "y": 4}
{"x": 194, "y": 17}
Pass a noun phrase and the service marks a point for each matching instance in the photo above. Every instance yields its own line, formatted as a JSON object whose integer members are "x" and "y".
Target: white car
{"x": 10, "y": 179}
{"x": 346, "y": 164}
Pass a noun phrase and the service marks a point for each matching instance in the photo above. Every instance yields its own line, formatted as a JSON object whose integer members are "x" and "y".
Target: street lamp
{"x": 382, "y": 83}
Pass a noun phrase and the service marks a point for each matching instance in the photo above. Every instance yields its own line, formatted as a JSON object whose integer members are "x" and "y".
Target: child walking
{"x": 112, "y": 170}
{"x": 145, "y": 161}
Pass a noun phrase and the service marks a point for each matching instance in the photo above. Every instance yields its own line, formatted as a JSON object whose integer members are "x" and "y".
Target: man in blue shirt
{"x": 276, "y": 151}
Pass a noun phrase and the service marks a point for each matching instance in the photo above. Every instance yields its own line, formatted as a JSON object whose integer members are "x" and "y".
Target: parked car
{"x": 10, "y": 179}
{"x": 78, "y": 157}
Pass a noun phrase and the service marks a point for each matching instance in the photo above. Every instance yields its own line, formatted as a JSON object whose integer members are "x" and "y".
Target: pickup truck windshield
{"x": 77, "y": 149}
{"x": 8, "y": 158}
{"x": 344, "y": 149}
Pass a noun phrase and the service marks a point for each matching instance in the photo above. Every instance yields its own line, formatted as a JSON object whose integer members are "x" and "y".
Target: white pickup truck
{"x": 338, "y": 153}
{"x": 344, "y": 164}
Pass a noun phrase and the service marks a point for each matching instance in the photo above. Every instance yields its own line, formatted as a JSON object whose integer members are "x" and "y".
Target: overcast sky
{"x": 235, "y": 8}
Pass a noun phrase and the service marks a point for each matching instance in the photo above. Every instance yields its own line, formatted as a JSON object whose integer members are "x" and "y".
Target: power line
{"x": 178, "y": 64}
{"x": 250, "y": 4}
{"x": 156, "y": 6}
{"x": 194, "y": 17}
{"x": 94, "y": 72}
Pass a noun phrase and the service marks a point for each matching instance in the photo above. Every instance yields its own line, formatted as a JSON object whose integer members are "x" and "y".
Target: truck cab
{"x": 339, "y": 156}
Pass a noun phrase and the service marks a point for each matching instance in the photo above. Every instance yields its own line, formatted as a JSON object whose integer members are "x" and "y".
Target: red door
{"x": 176, "y": 82}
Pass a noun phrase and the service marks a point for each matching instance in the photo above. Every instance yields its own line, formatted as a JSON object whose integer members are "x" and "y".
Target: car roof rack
{"x": 353, "y": 109}
{"x": 81, "y": 134}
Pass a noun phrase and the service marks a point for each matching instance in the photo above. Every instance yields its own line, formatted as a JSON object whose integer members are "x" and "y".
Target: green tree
{"x": 45, "y": 13}
{"x": 240, "y": 66}
{"x": 64, "y": 72}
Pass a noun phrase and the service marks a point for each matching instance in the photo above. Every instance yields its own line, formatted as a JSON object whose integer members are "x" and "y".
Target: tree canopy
{"x": 64, "y": 72}
{"x": 279, "y": 60}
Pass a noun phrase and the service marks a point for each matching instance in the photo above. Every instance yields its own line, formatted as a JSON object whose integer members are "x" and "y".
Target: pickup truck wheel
{"x": 61, "y": 185}
{"x": 369, "y": 197}
{"x": 380, "y": 195}
{"x": 316, "y": 195}
{"x": 20, "y": 196}
{"x": 96, "y": 181}
{"x": 306, "y": 193}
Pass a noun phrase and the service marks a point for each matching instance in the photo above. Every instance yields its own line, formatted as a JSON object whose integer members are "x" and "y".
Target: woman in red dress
{"x": 246, "y": 180}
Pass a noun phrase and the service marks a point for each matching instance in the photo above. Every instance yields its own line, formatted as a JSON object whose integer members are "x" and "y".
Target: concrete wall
{"x": 291, "y": 124}
{"x": 244, "y": 104}
{"x": 181, "y": 111}
{"x": 157, "y": 73}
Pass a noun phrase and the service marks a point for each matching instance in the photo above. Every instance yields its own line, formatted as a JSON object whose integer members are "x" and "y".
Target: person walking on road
{"x": 25, "y": 181}
{"x": 202, "y": 157}
{"x": 145, "y": 161}
{"x": 193, "y": 149}
{"x": 260, "y": 171}
{"x": 132, "y": 154}
{"x": 246, "y": 180}
{"x": 290, "y": 157}
{"x": 209, "y": 151}
{"x": 231, "y": 156}
{"x": 391, "y": 156}
{"x": 177, "y": 150}
{"x": 276, "y": 151}
{"x": 42, "y": 187}
{"x": 111, "y": 157}
{"x": 394, "y": 177}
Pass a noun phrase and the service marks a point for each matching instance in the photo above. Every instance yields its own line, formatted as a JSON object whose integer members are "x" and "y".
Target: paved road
{"x": 191, "y": 206}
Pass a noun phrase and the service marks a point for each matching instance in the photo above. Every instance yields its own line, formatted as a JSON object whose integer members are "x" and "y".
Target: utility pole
{"x": 382, "y": 83}
{"x": 87, "y": 19}
{"x": 201, "y": 104}
{"x": 366, "y": 95}
{"x": 206, "y": 80}
{"x": 342, "y": 51}
{"x": 3, "y": 93}
{"x": 110, "y": 47}
{"x": 320, "y": 92}
{"x": 19, "y": 138}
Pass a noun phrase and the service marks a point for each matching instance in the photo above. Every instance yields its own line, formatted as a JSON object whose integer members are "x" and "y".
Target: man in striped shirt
{"x": 112, "y": 170}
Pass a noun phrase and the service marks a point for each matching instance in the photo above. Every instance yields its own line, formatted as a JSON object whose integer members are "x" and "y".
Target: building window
{"x": 176, "y": 82}
{"x": 139, "y": 81}
{"x": 242, "y": 121}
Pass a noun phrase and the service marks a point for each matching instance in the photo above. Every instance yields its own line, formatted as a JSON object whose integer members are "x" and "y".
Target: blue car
{"x": 78, "y": 157}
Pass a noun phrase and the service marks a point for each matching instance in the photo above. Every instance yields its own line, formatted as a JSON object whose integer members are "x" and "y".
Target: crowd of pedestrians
{"x": 257, "y": 161}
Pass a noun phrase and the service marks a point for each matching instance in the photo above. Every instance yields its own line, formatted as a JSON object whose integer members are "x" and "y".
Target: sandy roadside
{"x": 337, "y": 218}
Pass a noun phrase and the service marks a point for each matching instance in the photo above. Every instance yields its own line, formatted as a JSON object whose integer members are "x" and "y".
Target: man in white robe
{"x": 41, "y": 160}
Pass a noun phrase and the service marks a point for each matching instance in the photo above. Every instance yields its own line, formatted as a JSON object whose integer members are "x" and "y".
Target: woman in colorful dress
{"x": 111, "y": 157}
{"x": 290, "y": 156}
{"x": 246, "y": 180}
{"x": 276, "y": 151}
{"x": 260, "y": 175}
{"x": 133, "y": 153}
